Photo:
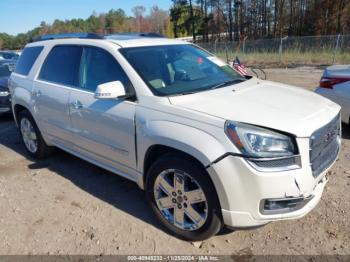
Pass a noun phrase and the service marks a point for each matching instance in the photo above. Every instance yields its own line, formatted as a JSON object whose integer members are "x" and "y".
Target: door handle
{"x": 77, "y": 104}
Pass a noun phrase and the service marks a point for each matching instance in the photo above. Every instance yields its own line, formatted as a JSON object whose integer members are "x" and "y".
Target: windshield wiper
{"x": 227, "y": 83}
{"x": 182, "y": 93}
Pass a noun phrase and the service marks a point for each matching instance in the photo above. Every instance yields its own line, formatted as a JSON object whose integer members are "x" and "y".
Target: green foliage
{"x": 114, "y": 21}
{"x": 209, "y": 20}
{"x": 256, "y": 19}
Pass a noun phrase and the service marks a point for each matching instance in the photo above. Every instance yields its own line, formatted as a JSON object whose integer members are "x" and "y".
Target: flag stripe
{"x": 240, "y": 68}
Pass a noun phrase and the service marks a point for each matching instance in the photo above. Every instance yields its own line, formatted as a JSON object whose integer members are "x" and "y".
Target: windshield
{"x": 179, "y": 69}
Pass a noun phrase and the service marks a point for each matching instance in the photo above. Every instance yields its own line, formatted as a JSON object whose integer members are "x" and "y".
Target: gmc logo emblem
{"x": 330, "y": 135}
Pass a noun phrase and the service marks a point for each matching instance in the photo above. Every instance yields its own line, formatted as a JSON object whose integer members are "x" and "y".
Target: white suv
{"x": 209, "y": 147}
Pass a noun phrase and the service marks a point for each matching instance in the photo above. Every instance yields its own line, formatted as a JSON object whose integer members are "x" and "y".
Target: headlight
{"x": 258, "y": 142}
{"x": 4, "y": 93}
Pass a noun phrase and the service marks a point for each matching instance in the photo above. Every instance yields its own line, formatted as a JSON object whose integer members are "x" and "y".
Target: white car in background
{"x": 335, "y": 85}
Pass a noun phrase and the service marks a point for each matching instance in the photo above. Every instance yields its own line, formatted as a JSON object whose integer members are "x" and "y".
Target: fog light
{"x": 283, "y": 205}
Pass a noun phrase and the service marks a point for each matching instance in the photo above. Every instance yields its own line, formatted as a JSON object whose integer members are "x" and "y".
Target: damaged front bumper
{"x": 251, "y": 198}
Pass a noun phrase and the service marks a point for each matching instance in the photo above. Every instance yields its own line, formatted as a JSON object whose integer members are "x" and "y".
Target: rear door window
{"x": 62, "y": 65}
{"x": 27, "y": 59}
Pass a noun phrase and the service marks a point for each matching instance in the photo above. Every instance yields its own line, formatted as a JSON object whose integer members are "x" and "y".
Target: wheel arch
{"x": 155, "y": 152}
{"x": 17, "y": 109}
{"x": 172, "y": 154}
{"x": 21, "y": 98}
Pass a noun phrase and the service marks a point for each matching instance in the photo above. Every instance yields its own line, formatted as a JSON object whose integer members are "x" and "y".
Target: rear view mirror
{"x": 180, "y": 75}
{"x": 110, "y": 90}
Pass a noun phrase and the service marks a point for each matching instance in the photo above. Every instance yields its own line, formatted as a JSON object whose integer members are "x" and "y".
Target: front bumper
{"x": 5, "y": 104}
{"x": 242, "y": 189}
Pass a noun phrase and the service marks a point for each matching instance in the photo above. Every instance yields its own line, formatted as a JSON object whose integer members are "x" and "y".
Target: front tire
{"x": 31, "y": 136}
{"x": 183, "y": 198}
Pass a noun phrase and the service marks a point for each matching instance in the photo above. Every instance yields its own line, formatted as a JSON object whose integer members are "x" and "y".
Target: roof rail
{"x": 132, "y": 35}
{"x": 68, "y": 35}
{"x": 151, "y": 34}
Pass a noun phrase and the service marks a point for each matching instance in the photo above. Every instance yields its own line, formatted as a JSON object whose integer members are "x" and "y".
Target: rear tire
{"x": 191, "y": 217}
{"x": 31, "y": 136}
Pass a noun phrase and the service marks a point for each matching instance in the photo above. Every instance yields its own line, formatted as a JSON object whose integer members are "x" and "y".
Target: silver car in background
{"x": 335, "y": 85}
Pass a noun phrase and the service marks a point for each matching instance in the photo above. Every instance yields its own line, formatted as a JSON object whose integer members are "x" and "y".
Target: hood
{"x": 264, "y": 103}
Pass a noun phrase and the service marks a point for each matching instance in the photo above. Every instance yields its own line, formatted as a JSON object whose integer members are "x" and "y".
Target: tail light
{"x": 329, "y": 82}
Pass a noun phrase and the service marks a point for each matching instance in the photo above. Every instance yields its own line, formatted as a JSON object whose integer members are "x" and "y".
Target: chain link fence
{"x": 287, "y": 51}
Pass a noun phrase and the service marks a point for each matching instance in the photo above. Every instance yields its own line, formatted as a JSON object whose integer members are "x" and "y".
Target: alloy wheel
{"x": 29, "y": 135}
{"x": 180, "y": 199}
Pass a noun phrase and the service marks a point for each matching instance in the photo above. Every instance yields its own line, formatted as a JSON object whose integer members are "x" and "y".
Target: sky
{"x": 20, "y": 16}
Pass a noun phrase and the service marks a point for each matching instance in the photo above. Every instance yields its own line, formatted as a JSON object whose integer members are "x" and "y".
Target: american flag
{"x": 239, "y": 67}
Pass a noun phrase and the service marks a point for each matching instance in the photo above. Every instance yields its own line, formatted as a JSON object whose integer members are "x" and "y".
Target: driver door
{"x": 104, "y": 129}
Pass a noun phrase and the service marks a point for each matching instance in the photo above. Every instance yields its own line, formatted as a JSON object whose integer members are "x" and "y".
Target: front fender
{"x": 203, "y": 146}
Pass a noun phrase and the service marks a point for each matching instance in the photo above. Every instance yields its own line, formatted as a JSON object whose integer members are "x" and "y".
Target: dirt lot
{"x": 63, "y": 205}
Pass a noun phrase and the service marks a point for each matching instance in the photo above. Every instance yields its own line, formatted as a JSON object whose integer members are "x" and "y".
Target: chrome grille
{"x": 324, "y": 146}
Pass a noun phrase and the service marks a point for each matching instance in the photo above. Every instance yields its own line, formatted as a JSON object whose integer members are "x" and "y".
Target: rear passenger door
{"x": 58, "y": 75}
{"x": 104, "y": 129}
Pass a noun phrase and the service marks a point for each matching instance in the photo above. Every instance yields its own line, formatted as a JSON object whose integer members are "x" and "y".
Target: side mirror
{"x": 110, "y": 90}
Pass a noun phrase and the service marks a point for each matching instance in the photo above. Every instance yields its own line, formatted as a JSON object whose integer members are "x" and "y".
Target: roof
{"x": 122, "y": 39}
{"x": 145, "y": 41}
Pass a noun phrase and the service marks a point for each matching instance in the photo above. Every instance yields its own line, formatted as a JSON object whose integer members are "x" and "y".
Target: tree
{"x": 178, "y": 16}
{"x": 236, "y": 25}
{"x": 116, "y": 21}
{"x": 158, "y": 19}
{"x": 230, "y": 18}
{"x": 192, "y": 20}
{"x": 138, "y": 12}
{"x": 94, "y": 24}
{"x": 345, "y": 18}
{"x": 237, "y": 18}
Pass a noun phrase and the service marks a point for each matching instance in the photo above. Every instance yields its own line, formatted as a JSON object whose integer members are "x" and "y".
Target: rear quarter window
{"x": 27, "y": 59}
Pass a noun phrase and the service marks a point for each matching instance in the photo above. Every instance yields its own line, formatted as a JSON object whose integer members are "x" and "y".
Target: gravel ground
{"x": 63, "y": 205}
